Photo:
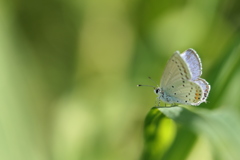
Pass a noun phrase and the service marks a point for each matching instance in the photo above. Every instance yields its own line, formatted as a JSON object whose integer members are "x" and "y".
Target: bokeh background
{"x": 69, "y": 70}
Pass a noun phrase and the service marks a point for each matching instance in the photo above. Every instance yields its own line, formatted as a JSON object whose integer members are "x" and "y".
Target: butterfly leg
{"x": 157, "y": 102}
{"x": 173, "y": 104}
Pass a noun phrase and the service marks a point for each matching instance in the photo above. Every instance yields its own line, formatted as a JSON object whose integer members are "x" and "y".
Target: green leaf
{"x": 219, "y": 127}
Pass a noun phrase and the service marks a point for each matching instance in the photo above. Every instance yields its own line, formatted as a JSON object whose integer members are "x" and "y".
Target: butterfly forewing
{"x": 175, "y": 71}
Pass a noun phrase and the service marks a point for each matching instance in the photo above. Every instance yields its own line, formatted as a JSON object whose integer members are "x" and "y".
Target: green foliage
{"x": 220, "y": 128}
{"x": 69, "y": 70}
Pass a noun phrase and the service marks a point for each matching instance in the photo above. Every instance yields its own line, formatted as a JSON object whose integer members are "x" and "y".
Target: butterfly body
{"x": 181, "y": 82}
{"x": 164, "y": 96}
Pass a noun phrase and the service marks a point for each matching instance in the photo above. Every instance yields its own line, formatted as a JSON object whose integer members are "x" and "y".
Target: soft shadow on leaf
{"x": 158, "y": 134}
{"x": 218, "y": 127}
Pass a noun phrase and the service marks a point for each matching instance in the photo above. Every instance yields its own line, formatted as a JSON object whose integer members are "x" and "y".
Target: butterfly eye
{"x": 157, "y": 90}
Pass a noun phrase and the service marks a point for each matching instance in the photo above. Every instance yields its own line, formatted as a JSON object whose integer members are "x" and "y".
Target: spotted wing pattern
{"x": 181, "y": 80}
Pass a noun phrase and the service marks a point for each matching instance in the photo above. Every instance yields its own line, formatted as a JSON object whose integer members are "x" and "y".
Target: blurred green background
{"x": 69, "y": 70}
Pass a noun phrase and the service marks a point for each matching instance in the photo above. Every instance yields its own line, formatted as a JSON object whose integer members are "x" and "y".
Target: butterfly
{"x": 181, "y": 82}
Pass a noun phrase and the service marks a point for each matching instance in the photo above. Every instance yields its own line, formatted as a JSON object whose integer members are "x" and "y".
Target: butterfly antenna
{"x": 152, "y": 80}
{"x": 139, "y": 85}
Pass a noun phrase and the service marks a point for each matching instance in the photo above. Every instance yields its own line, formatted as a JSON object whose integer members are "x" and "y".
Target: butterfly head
{"x": 158, "y": 91}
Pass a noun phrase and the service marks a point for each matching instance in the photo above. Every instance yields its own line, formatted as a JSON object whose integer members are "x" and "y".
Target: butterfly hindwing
{"x": 204, "y": 86}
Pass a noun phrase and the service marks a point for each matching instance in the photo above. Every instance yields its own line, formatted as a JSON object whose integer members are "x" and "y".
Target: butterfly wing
{"x": 175, "y": 71}
{"x": 193, "y": 62}
{"x": 181, "y": 82}
{"x": 204, "y": 86}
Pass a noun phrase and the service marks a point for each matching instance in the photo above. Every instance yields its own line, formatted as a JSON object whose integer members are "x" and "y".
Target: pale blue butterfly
{"x": 181, "y": 82}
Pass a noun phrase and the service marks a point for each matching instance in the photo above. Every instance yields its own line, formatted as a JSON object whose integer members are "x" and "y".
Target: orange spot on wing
{"x": 197, "y": 96}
